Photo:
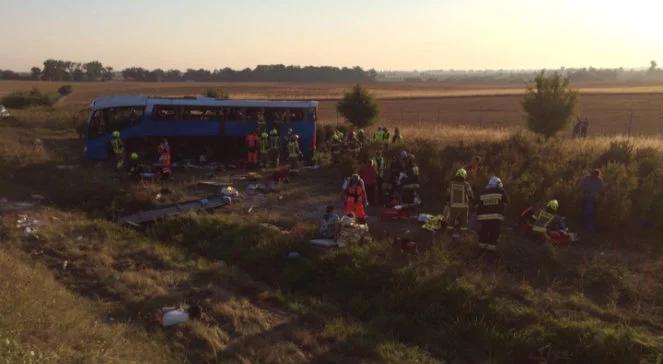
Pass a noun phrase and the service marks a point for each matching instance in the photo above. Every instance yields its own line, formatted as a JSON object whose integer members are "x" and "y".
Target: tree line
{"x": 59, "y": 70}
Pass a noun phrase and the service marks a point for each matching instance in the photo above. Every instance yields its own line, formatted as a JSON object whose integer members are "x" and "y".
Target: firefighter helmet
{"x": 116, "y": 134}
{"x": 134, "y": 156}
{"x": 553, "y": 205}
{"x": 461, "y": 173}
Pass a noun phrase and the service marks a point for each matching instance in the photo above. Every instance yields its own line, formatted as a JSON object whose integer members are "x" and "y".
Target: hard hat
{"x": 264, "y": 135}
{"x": 274, "y": 132}
{"x": 116, "y": 134}
{"x": 553, "y": 205}
{"x": 289, "y": 130}
{"x": 461, "y": 173}
{"x": 296, "y": 136}
{"x": 134, "y": 156}
{"x": 495, "y": 182}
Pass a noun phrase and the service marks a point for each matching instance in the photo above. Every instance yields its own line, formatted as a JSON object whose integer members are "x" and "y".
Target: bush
{"x": 550, "y": 104}
{"x": 358, "y": 107}
{"x": 217, "y": 93}
{"x": 25, "y": 99}
{"x": 65, "y": 90}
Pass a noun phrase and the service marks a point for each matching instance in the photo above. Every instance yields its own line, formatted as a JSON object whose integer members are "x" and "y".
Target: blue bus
{"x": 194, "y": 125}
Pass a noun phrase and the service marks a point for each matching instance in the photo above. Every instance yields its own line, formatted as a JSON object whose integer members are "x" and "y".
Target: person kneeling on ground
{"x": 330, "y": 224}
{"x": 490, "y": 213}
{"x": 547, "y": 225}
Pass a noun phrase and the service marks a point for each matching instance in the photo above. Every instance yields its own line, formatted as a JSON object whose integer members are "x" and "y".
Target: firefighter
{"x": 380, "y": 165}
{"x": 545, "y": 219}
{"x": 386, "y": 138}
{"x": 352, "y": 143}
{"x": 274, "y": 147}
{"x": 164, "y": 159}
{"x": 397, "y": 138}
{"x": 294, "y": 152}
{"x": 354, "y": 195}
{"x": 361, "y": 137}
{"x": 490, "y": 215}
{"x": 459, "y": 195}
{"x": 378, "y": 135}
{"x": 134, "y": 167}
{"x": 118, "y": 150}
{"x": 252, "y": 148}
{"x": 264, "y": 149}
{"x": 411, "y": 183}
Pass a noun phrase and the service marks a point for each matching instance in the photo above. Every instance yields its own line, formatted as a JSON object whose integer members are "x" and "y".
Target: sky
{"x": 380, "y": 34}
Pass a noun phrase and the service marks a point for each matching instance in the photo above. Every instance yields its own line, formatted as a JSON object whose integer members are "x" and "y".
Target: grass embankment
{"x": 595, "y": 302}
{"x": 599, "y": 301}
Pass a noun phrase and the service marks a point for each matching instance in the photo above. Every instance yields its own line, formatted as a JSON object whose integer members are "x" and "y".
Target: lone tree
{"x": 358, "y": 107}
{"x": 550, "y": 104}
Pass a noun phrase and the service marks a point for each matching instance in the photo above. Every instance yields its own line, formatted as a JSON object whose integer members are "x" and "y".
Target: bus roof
{"x": 124, "y": 101}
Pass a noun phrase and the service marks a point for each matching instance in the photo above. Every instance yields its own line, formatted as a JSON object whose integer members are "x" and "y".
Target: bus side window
{"x": 120, "y": 118}
{"x": 296, "y": 115}
{"x": 97, "y": 124}
{"x": 164, "y": 113}
{"x": 200, "y": 113}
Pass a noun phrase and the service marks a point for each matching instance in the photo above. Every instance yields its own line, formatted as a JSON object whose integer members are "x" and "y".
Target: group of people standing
{"x": 134, "y": 165}
{"x": 265, "y": 150}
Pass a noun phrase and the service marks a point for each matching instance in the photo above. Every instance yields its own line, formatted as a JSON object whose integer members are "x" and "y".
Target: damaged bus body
{"x": 194, "y": 126}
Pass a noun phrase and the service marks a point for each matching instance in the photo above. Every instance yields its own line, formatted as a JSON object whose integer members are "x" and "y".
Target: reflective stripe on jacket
{"x": 543, "y": 219}
{"x": 459, "y": 193}
{"x": 264, "y": 144}
{"x": 293, "y": 150}
{"x": 491, "y": 204}
{"x": 118, "y": 147}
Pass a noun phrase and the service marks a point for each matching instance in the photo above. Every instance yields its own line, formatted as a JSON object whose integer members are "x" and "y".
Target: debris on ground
{"x": 323, "y": 243}
{"x": 28, "y": 225}
{"x": 171, "y": 316}
{"x": 143, "y": 217}
{"x": 65, "y": 166}
{"x": 6, "y": 205}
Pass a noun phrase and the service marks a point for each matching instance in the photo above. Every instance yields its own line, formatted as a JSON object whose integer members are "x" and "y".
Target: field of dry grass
{"x": 611, "y": 108}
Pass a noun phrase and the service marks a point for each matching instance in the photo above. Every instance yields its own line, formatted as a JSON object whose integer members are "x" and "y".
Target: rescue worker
{"x": 397, "y": 138}
{"x": 264, "y": 149}
{"x": 252, "y": 149}
{"x": 353, "y": 145}
{"x": 459, "y": 195}
{"x": 294, "y": 153}
{"x": 490, "y": 213}
{"x": 380, "y": 165}
{"x": 411, "y": 184}
{"x": 369, "y": 175}
{"x": 547, "y": 219}
{"x": 354, "y": 194}
{"x": 134, "y": 168}
{"x": 591, "y": 187}
{"x": 330, "y": 224}
{"x": 164, "y": 146}
{"x": 165, "y": 159}
{"x": 361, "y": 137}
{"x": 386, "y": 138}
{"x": 274, "y": 147}
{"x": 378, "y": 135}
{"x": 118, "y": 150}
